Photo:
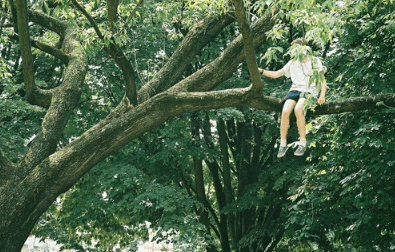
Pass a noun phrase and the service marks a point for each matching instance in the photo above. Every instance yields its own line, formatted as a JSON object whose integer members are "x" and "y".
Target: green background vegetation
{"x": 338, "y": 197}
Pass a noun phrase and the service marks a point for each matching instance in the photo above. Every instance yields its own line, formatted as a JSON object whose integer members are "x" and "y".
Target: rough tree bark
{"x": 25, "y": 193}
{"x": 29, "y": 187}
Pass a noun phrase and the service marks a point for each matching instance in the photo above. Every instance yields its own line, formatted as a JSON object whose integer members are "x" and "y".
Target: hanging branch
{"x": 56, "y": 52}
{"x": 244, "y": 27}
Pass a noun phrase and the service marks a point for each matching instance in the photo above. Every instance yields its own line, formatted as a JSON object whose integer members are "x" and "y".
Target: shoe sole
{"x": 280, "y": 156}
{"x": 299, "y": 154}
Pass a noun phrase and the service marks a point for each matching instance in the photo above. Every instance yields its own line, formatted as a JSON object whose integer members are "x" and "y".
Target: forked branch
{"x": 117, "y": 55}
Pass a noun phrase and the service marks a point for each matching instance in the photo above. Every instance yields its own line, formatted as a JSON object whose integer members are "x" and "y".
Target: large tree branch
{"x": 48, "y": 22}
{"x": 36, "y": 95}
{"x": 29, "y": 195}
{"x": 223, "y": 67}
{"x": 54, "y": 25}
{"x": 214, "y": 73}
{"x": 46, "y": 173}
{"x": 351, "y": 104}
{"x": 64, "y": 99}
{"x": 63, "y": 169}
{"x": 58, "y": 53}
{"x": 244, "y": 27}
{"x": 196, "y": 39}
{"x": 109, "y": 135}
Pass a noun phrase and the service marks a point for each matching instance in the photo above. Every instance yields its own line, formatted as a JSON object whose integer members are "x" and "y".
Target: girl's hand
{"x": 321, "y": 100}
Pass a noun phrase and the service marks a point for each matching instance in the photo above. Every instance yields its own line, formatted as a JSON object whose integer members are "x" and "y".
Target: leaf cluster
{"x": 348, "y": 192}
{"x": 114, "y": 206}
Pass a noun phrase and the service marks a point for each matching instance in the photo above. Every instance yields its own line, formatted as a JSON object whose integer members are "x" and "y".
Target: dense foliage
{"x": 209, "y": 180}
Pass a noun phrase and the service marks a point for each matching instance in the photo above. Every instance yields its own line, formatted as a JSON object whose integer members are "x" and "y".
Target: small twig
{"x": 89, "y": 17}
{"x": 383, "y": 104}
{"x": 133, "y": 12}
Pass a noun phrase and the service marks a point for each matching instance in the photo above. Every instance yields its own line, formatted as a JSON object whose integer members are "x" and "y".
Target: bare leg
{"x": 284, "y": 125}
{"x": 300, "y": 120}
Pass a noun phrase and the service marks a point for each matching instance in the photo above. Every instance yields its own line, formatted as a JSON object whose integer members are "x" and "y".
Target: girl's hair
{"x": 300, "y": 41}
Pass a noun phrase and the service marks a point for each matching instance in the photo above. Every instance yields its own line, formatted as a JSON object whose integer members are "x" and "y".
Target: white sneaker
{"x": 300, "y": 150}
{"x": 282, "y": 150}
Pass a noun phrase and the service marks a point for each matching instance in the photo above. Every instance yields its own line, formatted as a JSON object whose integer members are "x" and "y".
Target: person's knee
{"x": 299, "y": 108}
{"x": 286, "y": 113}
{"x": 287, "y": 110}
{"x": 299, "y": 111}
{"x": 288, "y": 107}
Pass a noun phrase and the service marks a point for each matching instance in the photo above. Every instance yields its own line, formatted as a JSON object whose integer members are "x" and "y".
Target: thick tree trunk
{"x": 25, "y": 198}
{"x": 34, "y": 183}
{"x": 31, "y": 187}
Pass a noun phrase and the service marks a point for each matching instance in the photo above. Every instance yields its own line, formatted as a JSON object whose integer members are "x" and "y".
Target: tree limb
{"x": 34, "y": 95}
{"x": 196, "y": 39}
{"x": 46, "y": 173}
{"x": 66, "y": 166}
{"x": 223, "y": 67}
{"x": 133, "y": 12}
{"x": 30, "y": 198}
{"x": 48, "y": 22}
{"x": 351, "y": 104}
{"x": 112, "y": 10}
{"x": 379, "y": 101}
{"x": 64, "y": 99}
{"x": 244, "y": 27}
{"x": 62, "y": 169}
{"x": 46, "y": 48}
{"x": 116, "y": 53}
{"x": 50, "y": 50}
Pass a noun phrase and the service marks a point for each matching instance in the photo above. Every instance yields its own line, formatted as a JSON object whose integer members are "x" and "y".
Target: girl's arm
{"x": 321, "y": 99}
{"x": 271, "y": 74}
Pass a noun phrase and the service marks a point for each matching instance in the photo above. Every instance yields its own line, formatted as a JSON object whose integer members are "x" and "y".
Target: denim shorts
{"x": 294, "y": 95}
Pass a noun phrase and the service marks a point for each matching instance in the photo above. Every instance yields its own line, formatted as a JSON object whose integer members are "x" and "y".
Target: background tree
{"x": 62, "y": 46}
